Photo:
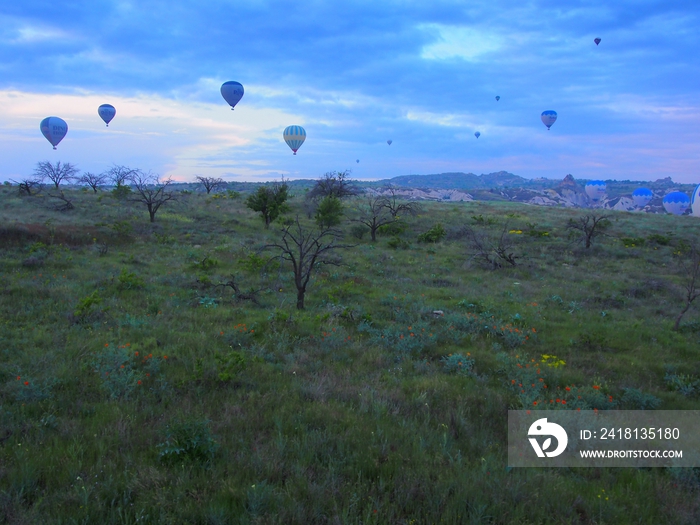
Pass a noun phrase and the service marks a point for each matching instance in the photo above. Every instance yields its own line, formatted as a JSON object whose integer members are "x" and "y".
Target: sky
{"x": 355, "y": 74}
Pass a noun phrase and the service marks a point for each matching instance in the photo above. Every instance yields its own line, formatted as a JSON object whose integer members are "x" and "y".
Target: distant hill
{"x": 458, "y": 181}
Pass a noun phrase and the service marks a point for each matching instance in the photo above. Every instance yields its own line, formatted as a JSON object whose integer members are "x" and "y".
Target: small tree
{"x": 92, "y": 180}
{"x": 334, "y": 184}
{"x": 494, "y": 253}
{"x": 374, "y": 214}
{"x": 306, "y": 248}
{"x": 120, "y": 175}
{"x": 590, "y": 226}
{"x": 67, "y": 204}
{"x": 689, "y": 262}
{"x": 56, "y": 173}
{"x": 151, "y": 191}
{"x": 210, "y": 183}
{"x": 395, "y": 206}
{"x": 270, "y": 201}
{"x": 29, "y": 186}
{"x": 329, "y": 212}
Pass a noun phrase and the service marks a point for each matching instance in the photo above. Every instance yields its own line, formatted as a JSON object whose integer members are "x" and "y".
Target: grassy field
{"x": 133, "y": 389}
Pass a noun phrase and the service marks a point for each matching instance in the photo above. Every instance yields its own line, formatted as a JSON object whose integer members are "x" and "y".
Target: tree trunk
{"x": 373, "y": 231}
{"x": 678, "y": 319}
{"x": 267, "y": 222}
{"x": 300, "y": 298}
{"x": 153, "y": 215}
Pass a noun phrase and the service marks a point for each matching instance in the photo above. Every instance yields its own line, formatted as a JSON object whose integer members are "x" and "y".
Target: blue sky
{"x": 354, "y": 74}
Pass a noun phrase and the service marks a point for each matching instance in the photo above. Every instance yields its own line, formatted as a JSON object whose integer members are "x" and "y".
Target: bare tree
{"x": 56, "y": 173}
{"x": 374, "y": 214}
{"x": 67, "y": 204}
{"x": 92, "y": 180}
{"x": 395, "y": 206}
{"x": 250, "y": 295}
{"x": 590, "y": 226}
{"x": 151, "y": 191}
{"x": 29, "y": 186}
{"x": 119, "y": 175}
{"x": 334, "y": 184}
{"x": 210, "y": 183}
{"x": 689, "y": 262}
{"x": 306, "y": 248}
{"x": 495, "y": 253}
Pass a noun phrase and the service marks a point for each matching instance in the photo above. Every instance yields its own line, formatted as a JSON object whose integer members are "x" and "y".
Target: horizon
{"x": 355, "y": 76}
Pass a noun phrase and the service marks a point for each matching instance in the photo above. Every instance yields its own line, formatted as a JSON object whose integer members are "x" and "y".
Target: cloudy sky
{"x": 424, "y": 74}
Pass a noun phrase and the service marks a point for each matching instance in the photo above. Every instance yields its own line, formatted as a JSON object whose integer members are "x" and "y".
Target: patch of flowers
{"x": 122, "y": 370}
{"x": 458, "y": 363}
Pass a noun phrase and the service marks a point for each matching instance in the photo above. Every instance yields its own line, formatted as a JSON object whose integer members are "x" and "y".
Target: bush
{"x": 229, "y": 365}
{"x": 188, "y": 440}
{"x": 84, "y": 311}
{"x": 395, "y": 227}
{"x": 130, "y": 281}
{"x": 397, "y": 243}
{"x": 458, "y": 363}
{"x": 637, "y": 400}
{"x": 434, "y": 234}
{"x": 358, "y": 230}
{"x": 121, "y": 192}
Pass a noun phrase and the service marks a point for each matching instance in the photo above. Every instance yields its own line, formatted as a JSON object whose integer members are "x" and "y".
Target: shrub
{"x": 458, "y": 363}
{"x": 398, "y": 243}
{"x": 229, "y": 365}
{"x": 685, "y": 384}
{"x": 84, "y": 310}
{"x": 358, "y": 230}
{"x": 121, "y": 192}
{"x": 130, "y": 281}
{"x": 122, "y": 369}
{"x": 188, "y": 440}
{"x": 396, "y": 227}
{"x": 637, "y": 400}
{"x": 434, "y": 234}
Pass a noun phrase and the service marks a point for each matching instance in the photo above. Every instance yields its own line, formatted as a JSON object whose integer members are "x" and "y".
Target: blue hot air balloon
{"x": 389, "y": 142}
{"x": 595, "y": 190}
{"x": 54, "y": 129}
{"x": 498, "y": 98}
{"x": 106, "y": 113}
{"x": 548, "y": 117}
{"x": 232, "y": 92}
{"x": 358, "y": 161}
{"x": 641, "y": 197}
{"x": 596, "y": 40}
{"x": 695, "y": 201}
{"x": 676, "y": 202}
{"x": 477, "y": 134}
{"x": 294, "y": 136}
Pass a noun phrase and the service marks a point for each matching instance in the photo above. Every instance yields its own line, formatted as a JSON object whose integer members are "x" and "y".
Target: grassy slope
{"x": 327, "y": 423}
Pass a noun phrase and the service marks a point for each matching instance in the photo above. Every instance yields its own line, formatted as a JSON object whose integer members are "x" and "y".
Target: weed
{"x": 188, "y": 440}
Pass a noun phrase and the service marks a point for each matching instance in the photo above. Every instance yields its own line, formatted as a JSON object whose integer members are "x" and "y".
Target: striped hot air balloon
{"x": 294, "y": 136}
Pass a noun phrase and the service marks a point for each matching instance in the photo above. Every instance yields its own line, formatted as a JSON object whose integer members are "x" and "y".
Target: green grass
{"x": 333, "y": 414}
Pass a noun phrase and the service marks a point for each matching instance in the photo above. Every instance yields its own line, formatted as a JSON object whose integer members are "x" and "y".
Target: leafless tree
{"x": 29, "y": 186}
{"x": 307, "y": 247}
{"x": 151, "y": 191}
{"x": 374, "y": 214}
{"x": 119, "y": 175}
{"x": 590, "y": 226}
{"x": 56, "y": 173}
{"x": 689, "y": 262}
{"x": 210, "y": 183}
{"x": 395, "y": 206}
{"x": 67, "y": 204}
{"x": 336, "y": 184}
{"x": 494, "y": 253}
{"x": 250, "y": 295}
{"x": 92, "y": 180}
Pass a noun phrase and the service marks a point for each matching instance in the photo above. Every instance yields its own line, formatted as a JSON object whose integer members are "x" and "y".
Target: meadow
{"x": 136, "y": 387}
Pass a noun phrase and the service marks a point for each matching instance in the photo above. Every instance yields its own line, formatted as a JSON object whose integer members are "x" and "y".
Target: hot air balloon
{"x": 676, "y": 202}
{"x": 232, "y": 92}
{"x": 54, "y": 129}
{"x": 695, "y": 201}
{"x": 596, "y": 40}
{"x": 106, "y": 113}
{"x": 548, "y": 117}
{"x": 642, "y": 196}
{"x": 294, "y": 136}
{"x": 358, "y": 161}
{"x": 477, "y": 134}
{"x": 498, "y": 98}
{"x": 389, "y": 142}
{"x": 595, "y": 190}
